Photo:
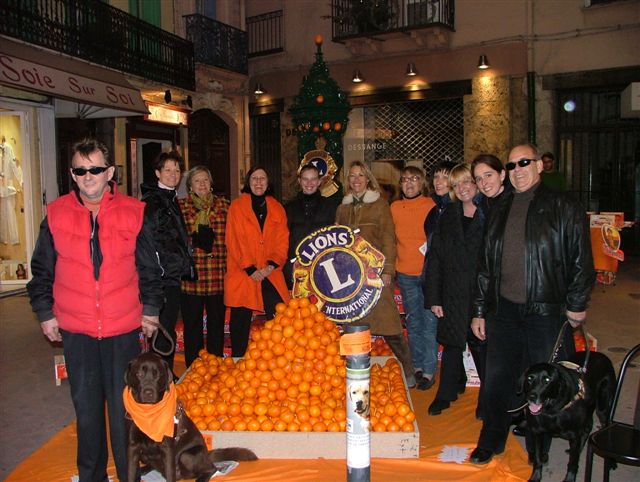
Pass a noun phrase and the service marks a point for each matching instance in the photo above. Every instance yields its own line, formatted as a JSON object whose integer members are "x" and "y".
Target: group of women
{"x": 455, "y": 230}
{"x": 217, "y": 254}
{"x": 214, "y": 254}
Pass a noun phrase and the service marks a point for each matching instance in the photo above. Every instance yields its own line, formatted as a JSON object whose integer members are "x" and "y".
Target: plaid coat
{"x": 210, "y": 266}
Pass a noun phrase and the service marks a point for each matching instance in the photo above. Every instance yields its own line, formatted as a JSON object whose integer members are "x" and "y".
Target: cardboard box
{"x": 312, "y": 445}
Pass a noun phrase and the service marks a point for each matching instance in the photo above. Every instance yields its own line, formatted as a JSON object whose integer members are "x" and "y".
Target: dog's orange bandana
{"x": 154, "y": 420}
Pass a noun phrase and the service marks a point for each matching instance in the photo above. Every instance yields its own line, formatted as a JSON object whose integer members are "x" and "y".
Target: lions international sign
{"x": 339, "y": 271}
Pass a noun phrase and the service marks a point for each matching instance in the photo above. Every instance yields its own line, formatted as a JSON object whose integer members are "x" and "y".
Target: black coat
{"x": 170, "y": 240}
{"x": 559, "y": 270}
{"x": 305, "y": 214}
{"x": 451, "y": 272}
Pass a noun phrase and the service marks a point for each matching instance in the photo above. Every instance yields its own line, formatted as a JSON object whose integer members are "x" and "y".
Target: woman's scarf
{"x": 203, "y": 207}
{"x": 154, "y": 420}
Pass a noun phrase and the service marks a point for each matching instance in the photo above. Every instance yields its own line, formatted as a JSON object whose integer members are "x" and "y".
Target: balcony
{"x": 95, "y": 31}
{"x": 265, "y": 33}
{"x": 217, "y": 43}
{"x": 353, "y": 19}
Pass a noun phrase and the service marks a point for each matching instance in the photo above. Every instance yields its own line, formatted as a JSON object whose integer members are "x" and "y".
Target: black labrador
{"x": 560, "y": 403}
{"x": 185, "y": 456}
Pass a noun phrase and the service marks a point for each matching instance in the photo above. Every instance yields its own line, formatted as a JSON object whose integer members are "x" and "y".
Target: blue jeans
{"x": 421, "y": 323}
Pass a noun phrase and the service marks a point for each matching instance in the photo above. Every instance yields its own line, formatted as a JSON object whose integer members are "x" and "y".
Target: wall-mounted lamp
{"x": 411, "y": 70}
{"x": 259, "y": 90}
{"x": 483, "y": 62}
{"x": 357, "y": 77}
{"x": 167, "y": 96}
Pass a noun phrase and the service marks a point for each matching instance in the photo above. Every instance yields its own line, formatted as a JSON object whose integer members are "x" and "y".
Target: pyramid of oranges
{"x": 292, "y": 378}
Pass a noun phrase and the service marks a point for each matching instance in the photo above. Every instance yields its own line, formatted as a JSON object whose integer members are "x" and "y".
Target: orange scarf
{"x": 154, "y": 420}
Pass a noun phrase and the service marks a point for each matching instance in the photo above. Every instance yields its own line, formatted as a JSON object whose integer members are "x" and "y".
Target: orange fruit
{"x": 266, "y": 426}
{"x": 253, "y": 425}
{"x": 319, "y": 427}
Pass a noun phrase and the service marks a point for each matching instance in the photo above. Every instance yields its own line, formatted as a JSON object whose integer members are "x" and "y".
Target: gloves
{"x": 203, "y": 238}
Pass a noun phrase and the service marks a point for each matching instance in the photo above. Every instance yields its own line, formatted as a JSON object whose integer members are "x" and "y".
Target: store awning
{"x": 50, "y": 73}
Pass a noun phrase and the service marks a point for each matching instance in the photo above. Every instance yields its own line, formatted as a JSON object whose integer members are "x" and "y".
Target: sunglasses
{"x": 95, "y": 170}
{"x": 510, "y": 166}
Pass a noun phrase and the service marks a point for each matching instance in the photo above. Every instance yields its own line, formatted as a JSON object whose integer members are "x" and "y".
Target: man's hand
{"x": 437, "y": 310}
{"x": 149, "y": 324}
{"x": 386, "y": 279}
{"x": 576, "y": 318}
{"x": 257, "y": 276}
{"x": 50, "y": 330}
{"x": 478, "y": 328}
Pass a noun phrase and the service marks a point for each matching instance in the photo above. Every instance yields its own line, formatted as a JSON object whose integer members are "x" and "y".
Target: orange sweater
{"x": 408, "y": 217}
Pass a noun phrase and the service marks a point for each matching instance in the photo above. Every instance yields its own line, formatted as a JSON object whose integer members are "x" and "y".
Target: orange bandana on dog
{"x": 154, "y": 420}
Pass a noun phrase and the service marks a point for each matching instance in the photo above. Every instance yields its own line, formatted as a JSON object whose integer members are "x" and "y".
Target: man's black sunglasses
{"x": 510, "y": 166}
{"x": 95, "y": 170}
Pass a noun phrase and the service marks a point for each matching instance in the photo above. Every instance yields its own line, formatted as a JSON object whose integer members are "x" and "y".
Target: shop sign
{"x": 59, "y": 83}
{"x": 340, "y": 272}
{"x": 168, "y": 115}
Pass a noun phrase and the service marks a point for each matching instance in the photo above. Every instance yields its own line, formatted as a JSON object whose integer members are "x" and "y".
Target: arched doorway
{"x": 209, "y": 146}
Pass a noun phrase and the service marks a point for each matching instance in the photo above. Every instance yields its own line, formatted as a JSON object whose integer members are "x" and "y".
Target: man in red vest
{"x": 96, "y": 282}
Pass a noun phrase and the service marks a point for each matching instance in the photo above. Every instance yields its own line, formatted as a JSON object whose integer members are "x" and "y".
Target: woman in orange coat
{"x": 257, "y": 241}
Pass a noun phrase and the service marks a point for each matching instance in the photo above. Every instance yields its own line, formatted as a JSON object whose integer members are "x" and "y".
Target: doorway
{"x": 209, "y": 147}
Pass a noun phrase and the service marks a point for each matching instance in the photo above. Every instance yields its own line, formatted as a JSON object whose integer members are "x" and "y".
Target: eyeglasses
{"x": 95, "y": 170}
{"x": 404, "y": 179}
{"x": 510, "y": 166}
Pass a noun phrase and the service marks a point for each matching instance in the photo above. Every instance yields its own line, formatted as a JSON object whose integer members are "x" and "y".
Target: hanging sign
{"x": 340, "y": 272}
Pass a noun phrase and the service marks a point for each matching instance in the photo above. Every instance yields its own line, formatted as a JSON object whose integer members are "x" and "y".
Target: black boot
{"x": 400, "y": 349}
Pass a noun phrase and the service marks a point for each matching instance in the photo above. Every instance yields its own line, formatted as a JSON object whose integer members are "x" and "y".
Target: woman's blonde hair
{"x": 459, "y": 173}
{"x": 372, "y": 182}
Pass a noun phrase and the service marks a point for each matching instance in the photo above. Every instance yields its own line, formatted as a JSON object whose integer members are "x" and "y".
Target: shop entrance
{"x": 15, "y": 216}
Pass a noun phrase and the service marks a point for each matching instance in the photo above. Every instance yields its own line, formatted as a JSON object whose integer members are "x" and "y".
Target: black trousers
{"x": 168, "y": 318}
{"x": 193, "y": 307}
{"x": 515, "y": 341}
{"x": 452, "y": 373}
{"x": 479, "y": 354}
{"x": 96, "y": 371}
{"x": 240, "y": 320}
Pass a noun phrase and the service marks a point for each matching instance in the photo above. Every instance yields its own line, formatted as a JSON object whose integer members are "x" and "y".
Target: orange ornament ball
{"x": 320, "y": 99}
{"x": 318, "y": 39}
{"x": 326, "y": 126}
{"x": 337, "y": 126}
{"x": 316, "y": 129}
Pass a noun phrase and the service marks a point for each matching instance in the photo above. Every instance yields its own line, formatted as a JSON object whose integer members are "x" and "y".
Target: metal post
{"x": 358, "y": 430}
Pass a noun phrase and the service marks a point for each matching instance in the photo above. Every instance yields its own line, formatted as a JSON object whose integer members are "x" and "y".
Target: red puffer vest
{"x": 108, "y": 306}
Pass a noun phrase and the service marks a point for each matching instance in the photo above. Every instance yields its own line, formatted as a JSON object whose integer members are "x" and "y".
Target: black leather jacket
{"x": 170, "y": 240}
{"x": 559, "y": 265}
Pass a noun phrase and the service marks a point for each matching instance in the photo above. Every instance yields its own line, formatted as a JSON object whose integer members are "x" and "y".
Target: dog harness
{"x": 580, "y": 393}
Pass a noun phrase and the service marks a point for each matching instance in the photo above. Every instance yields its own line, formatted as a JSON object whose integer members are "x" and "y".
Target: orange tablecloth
{"x": 55, "y": 461}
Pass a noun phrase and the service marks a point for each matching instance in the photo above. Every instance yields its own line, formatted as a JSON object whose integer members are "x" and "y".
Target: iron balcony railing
{"x": 264, "y": 33}
{"x": 217, "y": 43}
{"x": 97, "y": 32}
{"x": 362, "y": 18}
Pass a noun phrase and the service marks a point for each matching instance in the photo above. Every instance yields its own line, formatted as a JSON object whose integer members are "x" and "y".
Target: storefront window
{"x": 14, "y": 267}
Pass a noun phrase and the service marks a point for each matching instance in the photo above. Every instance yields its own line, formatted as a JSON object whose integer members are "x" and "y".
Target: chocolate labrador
{"x": 561, "y": 401}
{"x": 183, "y": 456}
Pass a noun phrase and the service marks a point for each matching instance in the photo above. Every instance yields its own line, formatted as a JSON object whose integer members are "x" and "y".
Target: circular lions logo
{"x": 340, "y": 272}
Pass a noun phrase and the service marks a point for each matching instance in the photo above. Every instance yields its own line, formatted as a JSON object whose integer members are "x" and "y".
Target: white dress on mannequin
{"x": 10, "y": 185}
